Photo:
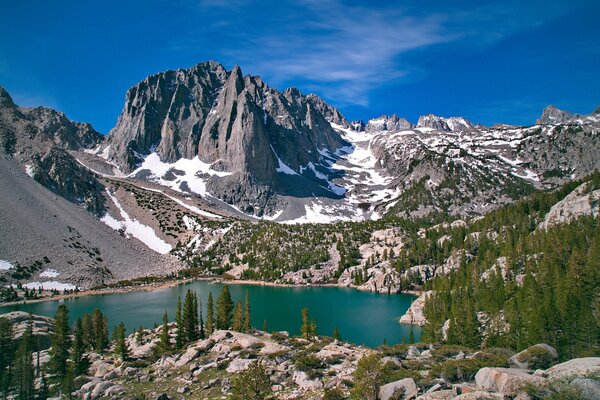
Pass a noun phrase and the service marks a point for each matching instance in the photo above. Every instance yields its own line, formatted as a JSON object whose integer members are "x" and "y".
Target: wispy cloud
{"x": 344, "y": 50}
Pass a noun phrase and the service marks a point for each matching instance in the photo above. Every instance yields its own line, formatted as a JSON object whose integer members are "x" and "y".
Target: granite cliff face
{"x": 237, "y": 124}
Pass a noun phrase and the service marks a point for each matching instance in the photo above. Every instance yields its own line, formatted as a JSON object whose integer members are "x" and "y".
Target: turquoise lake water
{"x": 361, "y": 317}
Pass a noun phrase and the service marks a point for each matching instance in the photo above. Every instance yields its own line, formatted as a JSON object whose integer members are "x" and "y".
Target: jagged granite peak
{"x": 392, "y": 124}
{"x": 224, "y": 118}
{"x": 596, "y": 111}
{"x": 553, "y": 115}
{"x": 452, "y": 124}
{"x": 5, "y": 99}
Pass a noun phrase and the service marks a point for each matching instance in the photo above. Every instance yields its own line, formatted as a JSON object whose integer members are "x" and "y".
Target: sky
{"x": 489, "y": 61}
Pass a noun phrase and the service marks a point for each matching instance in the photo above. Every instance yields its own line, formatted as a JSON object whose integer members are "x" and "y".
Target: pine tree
{"x": 164, "y": 345}
{"x": 6, "y": 354}
{"x": 23, "y": 376}
{"x": 309, "y": 326}
{"x": 80, "y": 361}
{"x": 61, "y": 342}
{"x": 237, "y": 317}
{"x": 190, "y": 318}
{"x": 247, "y": 324}
{"x": 68, "y": 384}
{"x": 120, "y": 344}
{"x": 224, "y": 309}
{"x": 179, "y": 338}
{"x": 368, "y": 377}
{"x": 336, "y": 333}
{"x": 202, "y": 332}
{"x": 210, "y": 315}
{"x": 88, "y": 332}
{"x": 100, "y": 327}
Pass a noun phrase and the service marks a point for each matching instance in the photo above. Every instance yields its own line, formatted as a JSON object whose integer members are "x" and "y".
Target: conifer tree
{"x": 179, "y": 338}
{"x": 80, "y": 361}
{"x": 247, "y": 325}
{"x": 61, "y": 342}
{"x": 210, "y": 315}
{"x": 120, "y": 344}
{"x": 309, "y": 326}
{"x": 224, "y": 309}
{"x": 336, "y": 333}
{"x": 164, "y": 334}
{"x": 201, "y": 332}
{"x": 23, "y": 376}
{"x": 237, "y": 317}
{"x": 88, "y": 331}
{"x": 189, "y": 318}
{"x": 6, "y": 354}
{"x": 100, "y": 326}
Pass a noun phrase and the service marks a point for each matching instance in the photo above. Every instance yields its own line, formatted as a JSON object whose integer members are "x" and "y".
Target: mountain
{"x": 41, "y": 139}
{"x": 288, "y": 157}
{"x": 253, "y": 139}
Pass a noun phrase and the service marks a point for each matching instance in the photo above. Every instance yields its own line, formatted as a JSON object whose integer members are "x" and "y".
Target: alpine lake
{"x": 361, "y": 317}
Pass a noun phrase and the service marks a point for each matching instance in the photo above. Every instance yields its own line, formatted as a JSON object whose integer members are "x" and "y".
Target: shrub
{"x": 333, "y": 394}
{"x": 537, "y": 357}
{"x": 310, "y": 364}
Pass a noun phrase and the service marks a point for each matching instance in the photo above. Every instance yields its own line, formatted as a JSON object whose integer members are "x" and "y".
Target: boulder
{"x": 508, "y": 381}
{"x": 301, "y": 379}
{"x": 440, "y": 395}
{"x": 40, "y": 326}
{"x": 590, "y": 388}
{"x": 537, "y": 356}
{"x": 576, "y": 368}
{"x": 479, "y": 395}
{"x": 407, "y": 387}
{"x": 239, "y": 365}
{"x": 101, "y": 388}
{"x": 190, "y": 354}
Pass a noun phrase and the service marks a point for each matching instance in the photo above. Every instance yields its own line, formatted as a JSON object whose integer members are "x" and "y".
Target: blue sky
{"x": 490, "y": 61}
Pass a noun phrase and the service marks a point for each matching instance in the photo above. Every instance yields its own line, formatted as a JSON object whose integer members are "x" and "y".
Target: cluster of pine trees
{"x": 544, "y": 290}
{"x": 69, "y": 345}
{"x": 190, "y": 323}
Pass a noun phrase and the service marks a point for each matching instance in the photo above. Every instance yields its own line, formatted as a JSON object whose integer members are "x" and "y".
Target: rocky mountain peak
{"x": 5, "y": 99}
{"x": 391, "y": 123}
{"x": 553, "y": 115}
{"x": 596, "y": 111}
{"x": 452, "y": 124}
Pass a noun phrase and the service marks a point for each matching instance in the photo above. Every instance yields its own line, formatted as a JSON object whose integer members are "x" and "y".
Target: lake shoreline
{"x": 155, "y": 286}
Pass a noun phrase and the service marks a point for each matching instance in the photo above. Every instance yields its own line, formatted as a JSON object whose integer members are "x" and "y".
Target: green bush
{"x": 310, "y": 364}
{"x": 333, "y": 394}
{"x": 537, "y": 357}
{"x": 465, "y": 369}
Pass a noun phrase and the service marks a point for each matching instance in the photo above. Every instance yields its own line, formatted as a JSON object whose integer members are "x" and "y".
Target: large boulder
{"x": 440, "y": 395}
{"x": 590, "y": 388}
{"x": 40, "y": 326}
{"x": 539, "y": 356}
{"x": 406, "y": 387}
{"x": 507, "y": 381}
{"x": 575, "y": 368}
{"x": 301, "y": 379}
{"x": 239, "y": 365}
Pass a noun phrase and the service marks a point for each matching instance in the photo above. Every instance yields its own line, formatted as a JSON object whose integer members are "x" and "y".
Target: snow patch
{"x": 136, "y": 229}
{"x": 29, "y": 170}
{"x": 5, "y": 265}
{"x": 50, "y": 285}
{"x": 49, "y": 273}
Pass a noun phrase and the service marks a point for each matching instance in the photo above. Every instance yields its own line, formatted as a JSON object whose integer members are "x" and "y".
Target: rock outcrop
{"x": 414, "y": 315}
{"x": 584, "y": 200}
{"x": 506, "y": 381}
{"x": 553, "y": 115}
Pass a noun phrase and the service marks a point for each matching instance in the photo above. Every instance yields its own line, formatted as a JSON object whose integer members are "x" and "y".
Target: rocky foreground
{"x": 323, "y": 368}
